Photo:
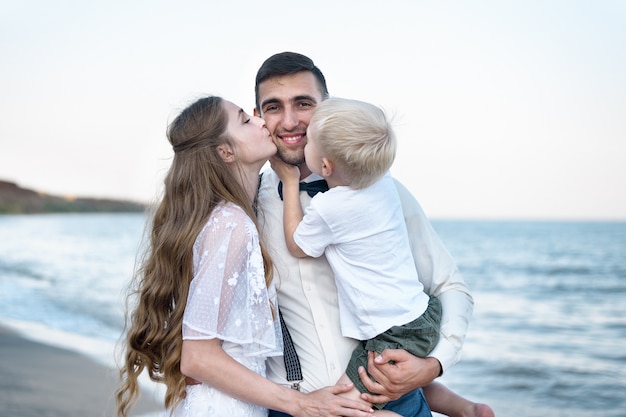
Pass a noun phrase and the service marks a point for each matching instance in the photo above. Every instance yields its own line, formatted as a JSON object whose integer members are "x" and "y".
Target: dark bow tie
{"x": 311, "y": 188}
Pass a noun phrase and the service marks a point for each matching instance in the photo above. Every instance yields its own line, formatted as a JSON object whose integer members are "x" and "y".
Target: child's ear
{"x": 327, "y": 167}
{"x": 226, "y": 153}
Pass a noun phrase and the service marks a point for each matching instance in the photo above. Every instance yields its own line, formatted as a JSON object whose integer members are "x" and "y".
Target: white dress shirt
{"x": 307, "y": 294}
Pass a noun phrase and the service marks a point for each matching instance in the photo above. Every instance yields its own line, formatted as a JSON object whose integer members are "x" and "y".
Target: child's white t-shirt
{"x": 363, "y": 234}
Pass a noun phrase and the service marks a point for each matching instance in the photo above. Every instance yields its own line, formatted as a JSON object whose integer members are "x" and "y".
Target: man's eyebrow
{"x": 293, "y": 99}
{"x": 269, "y": 101}
{"x": 304, "y": 97}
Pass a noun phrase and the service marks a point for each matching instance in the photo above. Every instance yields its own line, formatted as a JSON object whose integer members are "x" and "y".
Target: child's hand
{"x": 286, "y": 172}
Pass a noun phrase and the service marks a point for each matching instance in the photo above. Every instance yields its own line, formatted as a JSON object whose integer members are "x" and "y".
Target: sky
{"x": 503, "y": 109}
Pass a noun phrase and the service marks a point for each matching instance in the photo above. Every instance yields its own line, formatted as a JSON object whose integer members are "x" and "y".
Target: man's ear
{"x": 256, "y": 113}
{"x": 327, "y": 167}
{"x": 226, "y": 153}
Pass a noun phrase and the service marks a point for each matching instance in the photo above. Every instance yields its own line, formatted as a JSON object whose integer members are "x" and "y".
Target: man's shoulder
{"x": 267, "y": 180}
{"x": 268, "y": 200}
{"x": 268, "y": 176}
{"x": 407, "y": 199}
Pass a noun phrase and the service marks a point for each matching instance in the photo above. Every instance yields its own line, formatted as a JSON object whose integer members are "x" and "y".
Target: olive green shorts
{"x": 418, "y": 337}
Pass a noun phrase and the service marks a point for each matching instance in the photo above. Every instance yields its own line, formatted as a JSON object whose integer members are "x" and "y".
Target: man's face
{"x": 287, "y": 104}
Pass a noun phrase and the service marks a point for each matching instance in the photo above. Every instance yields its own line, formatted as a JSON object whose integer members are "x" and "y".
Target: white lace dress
{"x": 228, "y": 300}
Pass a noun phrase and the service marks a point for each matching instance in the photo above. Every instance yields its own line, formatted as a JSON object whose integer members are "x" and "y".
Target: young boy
{"x": 358, "y": 224}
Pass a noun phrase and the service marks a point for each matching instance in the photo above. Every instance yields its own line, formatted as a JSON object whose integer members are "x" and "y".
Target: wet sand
{"x": 41, "y": 380}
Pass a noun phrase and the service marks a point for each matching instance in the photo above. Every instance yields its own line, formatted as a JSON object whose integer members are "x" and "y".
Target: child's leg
{"x": 442, "y": 400}
{"x": 354, "y": 394}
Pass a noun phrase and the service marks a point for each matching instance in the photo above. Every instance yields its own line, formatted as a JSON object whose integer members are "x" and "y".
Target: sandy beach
{"x": 40, "y": 380}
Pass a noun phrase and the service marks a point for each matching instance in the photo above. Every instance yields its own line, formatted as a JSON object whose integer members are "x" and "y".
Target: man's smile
{"x": 292, "y": 139}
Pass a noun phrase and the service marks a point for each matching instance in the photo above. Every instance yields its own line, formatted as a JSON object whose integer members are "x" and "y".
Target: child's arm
{"x": 292, "y": 211}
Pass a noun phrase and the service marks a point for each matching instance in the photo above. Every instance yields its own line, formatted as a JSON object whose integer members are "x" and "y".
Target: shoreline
{"x": 39, "y": 379}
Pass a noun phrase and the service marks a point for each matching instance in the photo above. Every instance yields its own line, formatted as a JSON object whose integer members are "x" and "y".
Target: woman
{"x": 206, "y": 308}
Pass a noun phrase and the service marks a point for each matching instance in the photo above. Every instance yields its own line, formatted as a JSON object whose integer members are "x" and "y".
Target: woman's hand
{"x": 328, "y": 402}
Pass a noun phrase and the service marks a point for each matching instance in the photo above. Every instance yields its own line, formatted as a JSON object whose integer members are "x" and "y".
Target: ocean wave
{"x": 22, "y": 270}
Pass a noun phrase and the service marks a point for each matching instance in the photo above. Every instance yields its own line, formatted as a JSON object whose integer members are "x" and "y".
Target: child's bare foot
{"x": 479, "y": 410}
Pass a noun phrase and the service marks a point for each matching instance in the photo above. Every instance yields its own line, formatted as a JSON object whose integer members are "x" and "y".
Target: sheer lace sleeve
{"x": 228, "y": 298}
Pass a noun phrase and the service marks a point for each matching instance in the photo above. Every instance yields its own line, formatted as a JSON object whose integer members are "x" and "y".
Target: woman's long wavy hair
{"x": 196, "y": 182}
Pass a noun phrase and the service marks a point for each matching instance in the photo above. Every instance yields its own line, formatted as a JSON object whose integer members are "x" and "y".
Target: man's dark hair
{"x": 287, "y": 63}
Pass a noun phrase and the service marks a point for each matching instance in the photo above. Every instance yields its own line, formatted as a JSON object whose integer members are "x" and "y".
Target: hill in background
{"x": 17, "y": 200}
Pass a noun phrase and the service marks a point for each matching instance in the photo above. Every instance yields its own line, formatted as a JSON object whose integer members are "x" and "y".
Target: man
{"x": 288, "y": 88}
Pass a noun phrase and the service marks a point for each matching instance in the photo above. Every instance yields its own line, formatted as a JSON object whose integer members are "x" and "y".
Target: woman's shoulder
{"x": 228, "y": 209}
{"x": 228, "y": 217}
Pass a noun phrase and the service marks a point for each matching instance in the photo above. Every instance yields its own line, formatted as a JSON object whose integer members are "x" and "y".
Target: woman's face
{"x": 252, "y": 141}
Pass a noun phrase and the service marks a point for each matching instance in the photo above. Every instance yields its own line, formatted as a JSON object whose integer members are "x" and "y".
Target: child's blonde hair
{"x": 357, "y": 136}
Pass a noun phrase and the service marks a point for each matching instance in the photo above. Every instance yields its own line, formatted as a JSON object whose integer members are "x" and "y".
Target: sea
{"x": 547, "y": 338}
